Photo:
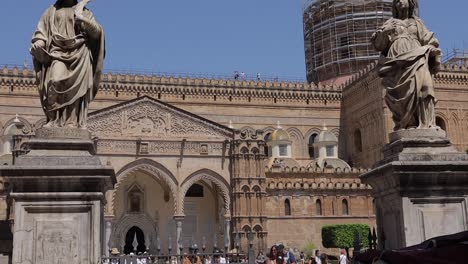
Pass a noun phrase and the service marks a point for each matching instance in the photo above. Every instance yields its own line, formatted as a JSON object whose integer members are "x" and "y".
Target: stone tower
{"x": 248, "y": 183}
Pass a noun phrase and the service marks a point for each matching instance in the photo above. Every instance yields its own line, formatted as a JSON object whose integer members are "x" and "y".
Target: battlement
{"x": 153, "y": 84}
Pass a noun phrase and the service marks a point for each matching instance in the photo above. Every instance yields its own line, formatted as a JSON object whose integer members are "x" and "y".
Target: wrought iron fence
{"x": 190, "y": 254}
{"x": 187, "y": 258}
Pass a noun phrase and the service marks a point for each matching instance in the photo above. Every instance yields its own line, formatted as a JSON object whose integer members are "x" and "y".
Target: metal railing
{"x": 190, "y": 258}
{"x": 236, "y": 75}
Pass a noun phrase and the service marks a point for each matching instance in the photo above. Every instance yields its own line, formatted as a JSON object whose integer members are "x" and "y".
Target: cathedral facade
{"x": 214, "y": 160}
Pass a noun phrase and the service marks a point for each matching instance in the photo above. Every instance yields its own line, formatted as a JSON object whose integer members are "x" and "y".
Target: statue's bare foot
{"x": 49, "y": 124}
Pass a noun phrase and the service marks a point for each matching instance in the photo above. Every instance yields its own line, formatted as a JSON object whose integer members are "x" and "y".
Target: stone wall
{"x": 315, "y": 198}
{"x": 364, "y": 110}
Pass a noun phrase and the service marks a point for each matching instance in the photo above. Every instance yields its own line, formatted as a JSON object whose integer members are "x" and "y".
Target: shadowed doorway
{"x": 130, "y": 238}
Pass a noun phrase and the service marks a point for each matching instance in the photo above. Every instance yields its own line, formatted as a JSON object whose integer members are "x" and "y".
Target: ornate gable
{"x": 146, "y": 117}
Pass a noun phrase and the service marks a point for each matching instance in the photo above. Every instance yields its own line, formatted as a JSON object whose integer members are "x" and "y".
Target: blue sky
{"x": 206, "y": 36}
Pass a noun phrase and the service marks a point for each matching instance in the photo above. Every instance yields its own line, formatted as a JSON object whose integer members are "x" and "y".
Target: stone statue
{"x": 68, "y": 53}
{"x": 412, "y": 55}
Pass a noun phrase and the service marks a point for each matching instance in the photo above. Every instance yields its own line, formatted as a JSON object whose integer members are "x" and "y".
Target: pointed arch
{"x": 209, "y": 176}
{"x": 298, "y": 143}
{"x": 152, "y": 168}
{"x": 287, "y": 207}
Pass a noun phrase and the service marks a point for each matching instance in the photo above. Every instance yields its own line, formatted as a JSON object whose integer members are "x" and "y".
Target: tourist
{"x": 260, "y": 258}
{"x": 343, "y": 258}
{"x": 317, "y": 257}
{"x": 208, "y": 260}
{"x": 236, "y": 75}
{"x": 258, "y": 77}
{"x": 311, "y": 260}
{"x": 272, "y": 255}
{"x": 280, "y": 259}
{"x": 242, "y": 75}
{"x": 302, "y": 257}
{"x": 324, "y": 258}
{"x": 114, "y": 256}
{"x": 289, "y": 256}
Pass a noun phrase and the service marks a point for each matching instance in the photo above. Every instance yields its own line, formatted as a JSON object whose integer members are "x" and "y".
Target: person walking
{"x": 343, "y": 258}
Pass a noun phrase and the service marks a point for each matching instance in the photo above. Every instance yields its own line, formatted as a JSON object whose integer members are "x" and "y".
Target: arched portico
{"x": 213, "y": 205}
{"x": 145, "y": 197}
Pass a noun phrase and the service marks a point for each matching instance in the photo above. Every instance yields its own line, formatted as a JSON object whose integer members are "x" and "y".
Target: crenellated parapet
{"x": 315, "y": 180}
{"x": 131, "y": 85}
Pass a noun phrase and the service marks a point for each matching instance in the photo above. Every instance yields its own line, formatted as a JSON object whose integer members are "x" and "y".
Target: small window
{"x": 330, "y": 151}
{"x": 195, "y": 190}
{"x": 358, "y": 140}
{"x": 318, "y": 207}
{"x": 287, "y": 207}
{"x": 345, "y": 207}
{"x": 283, "y": 150}
{"x": 311, "y": 145}
{"x": 374, "y": 207}
{"x": 266, "y": 138}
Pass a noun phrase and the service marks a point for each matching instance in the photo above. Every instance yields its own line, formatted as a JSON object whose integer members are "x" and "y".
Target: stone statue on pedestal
{"x": 412, "y": 55}
{"x": 68, "y": 52}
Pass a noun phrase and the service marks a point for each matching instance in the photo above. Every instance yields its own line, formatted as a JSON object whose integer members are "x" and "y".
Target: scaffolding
{"x": 337, "y": 35}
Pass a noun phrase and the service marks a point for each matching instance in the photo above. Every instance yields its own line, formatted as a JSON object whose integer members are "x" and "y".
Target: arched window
{"x": 358, "y": 140}
{"x": 374, "y": 207}
{"x": 441, "y": 123}
{"x": 318, "y": 207}
{"x": 266, "y": 138}
{"x": 287, "y": 207}
{"x": 134, "y": 235}
{"x": 311, "y": 145}
{"x": 345, "y": 208}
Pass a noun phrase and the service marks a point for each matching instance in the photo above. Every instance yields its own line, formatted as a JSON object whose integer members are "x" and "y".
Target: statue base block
{"x": 58, "y": 189}
{"x": 421, "y": 188}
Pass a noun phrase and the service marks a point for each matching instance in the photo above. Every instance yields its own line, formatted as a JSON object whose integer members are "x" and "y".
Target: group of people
{"x": 280, "y": 255}
{"x": 243, "y": 76}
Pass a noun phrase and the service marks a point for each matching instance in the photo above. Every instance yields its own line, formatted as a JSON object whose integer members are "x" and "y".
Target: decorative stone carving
{"x": 57, "y": 243}
{"x": 146, "y": 117}
{"x": 142, "y": 221}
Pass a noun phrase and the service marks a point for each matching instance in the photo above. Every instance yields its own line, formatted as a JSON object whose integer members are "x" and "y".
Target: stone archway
{"x": 141, "y": 221}
{"x": 197, "y": 218}
{"x": 156, "y": 190}
{"x": 155, "y": 170}
{"x": 211, "y": 177}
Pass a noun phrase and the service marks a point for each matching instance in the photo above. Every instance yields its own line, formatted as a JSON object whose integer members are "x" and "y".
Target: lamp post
{"x": 203, "y": 248}
{"x": 158, "y": 244}
{"x": 237, "y": 242}
{"x": 251, "y": 255}
{"x": 169, "y": 246}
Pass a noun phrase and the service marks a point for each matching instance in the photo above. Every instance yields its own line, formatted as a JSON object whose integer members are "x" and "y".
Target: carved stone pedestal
{"x": 420, "y": 188}
{"x": 58, "y": 191}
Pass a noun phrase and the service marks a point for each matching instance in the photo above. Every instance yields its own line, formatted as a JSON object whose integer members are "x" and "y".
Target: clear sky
{"x": 206, "y": 36}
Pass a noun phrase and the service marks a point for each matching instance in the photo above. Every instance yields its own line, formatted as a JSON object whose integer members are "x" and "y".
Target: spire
{"x": 17, "y": 120}
{"x": 278, "y": 125}
{"x": 230, "y": 124}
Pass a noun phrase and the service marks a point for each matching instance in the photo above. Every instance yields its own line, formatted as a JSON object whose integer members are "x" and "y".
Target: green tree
{"x": 342, "y": 236}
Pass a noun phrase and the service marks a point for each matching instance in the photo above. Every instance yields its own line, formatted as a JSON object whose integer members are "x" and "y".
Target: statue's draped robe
{"x": 69, "y": 70}
{"x": 406, "y": 72}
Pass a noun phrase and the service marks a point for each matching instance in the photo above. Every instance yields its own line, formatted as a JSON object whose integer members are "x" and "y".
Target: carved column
{"x": 227, "y": 231}
{"x": 178, "y": 221}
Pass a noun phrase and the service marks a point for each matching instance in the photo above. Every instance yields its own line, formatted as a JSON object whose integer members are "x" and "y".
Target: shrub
{"x": 309, "y": 250}
{"x": 342, "y": 236}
